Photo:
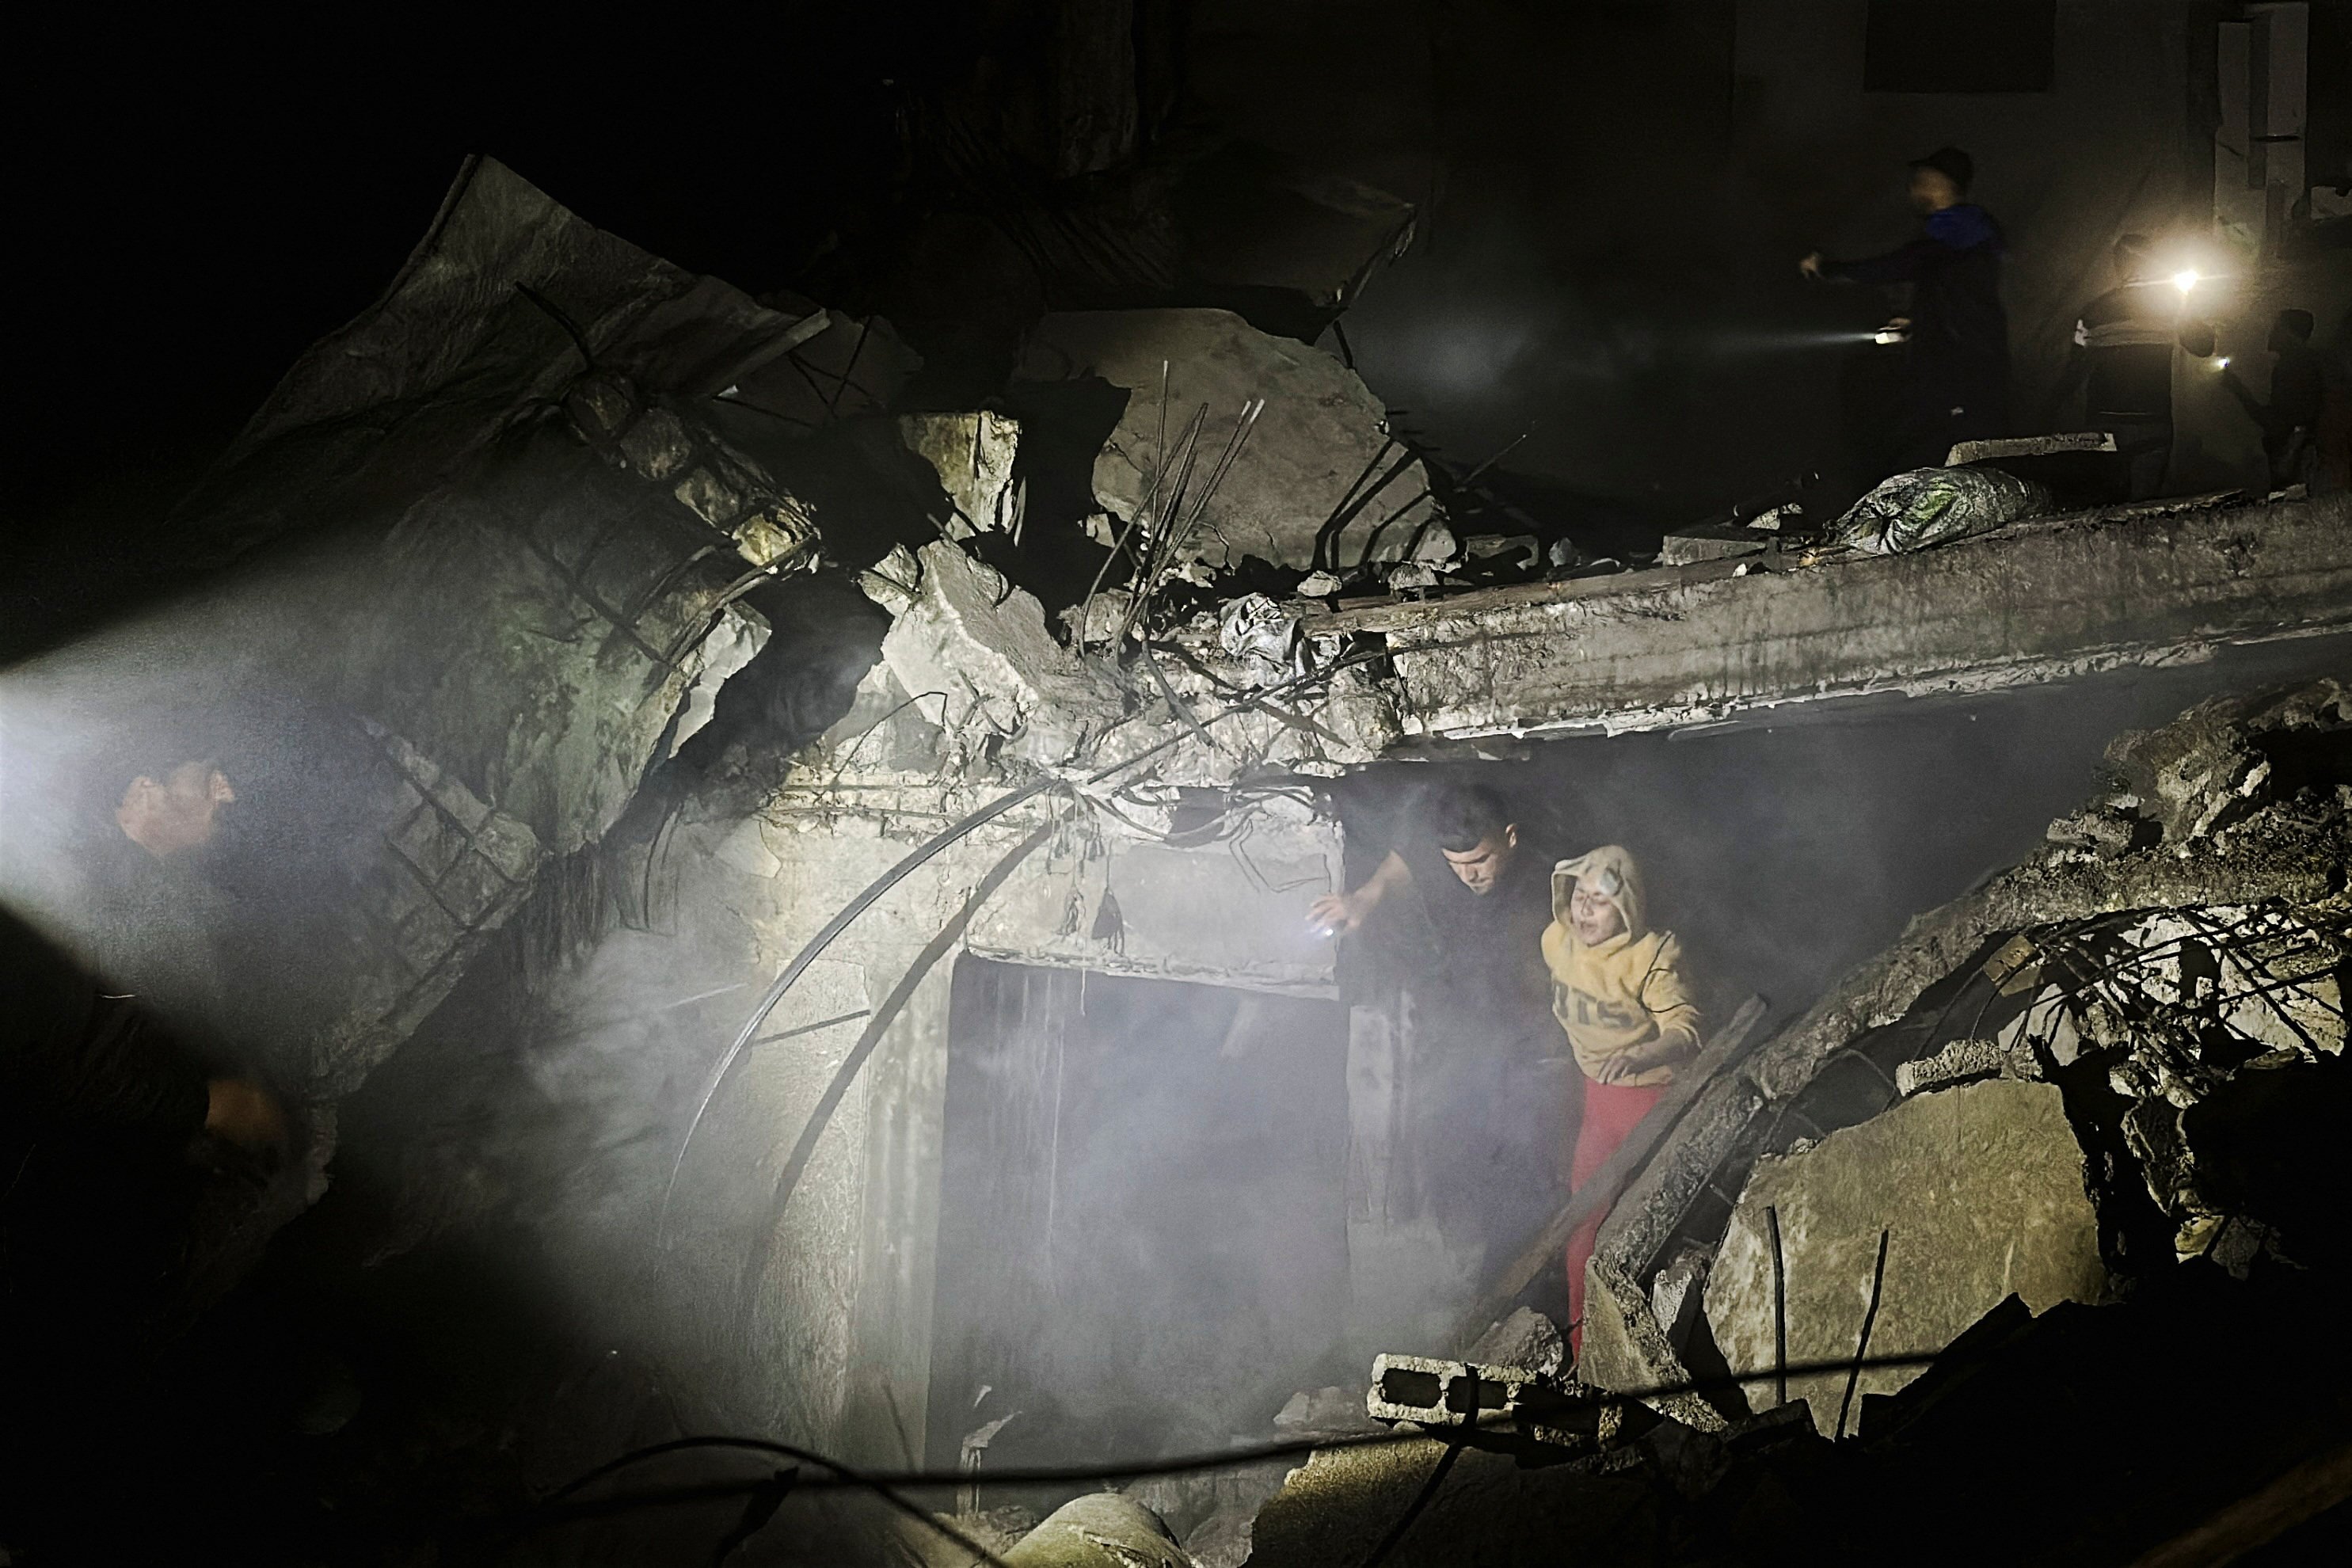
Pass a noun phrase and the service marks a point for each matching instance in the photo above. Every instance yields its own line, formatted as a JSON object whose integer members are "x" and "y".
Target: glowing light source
{"x": 2185, "y": 279}
{"x": 2222, "y": 364}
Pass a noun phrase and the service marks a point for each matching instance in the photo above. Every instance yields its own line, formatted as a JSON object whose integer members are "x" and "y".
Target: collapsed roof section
{"x": 497, "y": 497}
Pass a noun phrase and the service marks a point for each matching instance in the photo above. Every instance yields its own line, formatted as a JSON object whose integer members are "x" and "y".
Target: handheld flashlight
{"x": 2222, "y": 364}
{"x": 1888, "y": 336}
{"x": 2185, "y": 279}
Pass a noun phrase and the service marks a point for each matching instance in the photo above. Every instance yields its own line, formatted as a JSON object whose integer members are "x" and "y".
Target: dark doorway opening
{"x": 1143, "y": 1224}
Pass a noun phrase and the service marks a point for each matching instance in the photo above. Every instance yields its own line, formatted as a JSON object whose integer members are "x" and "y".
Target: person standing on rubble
{"x": 2123, "y": 343}
{"x": 1618, "y": 993}
{"x": 1467, "y": 890}
{"x": 1956, "y": 332}
{"x": 2291, "y": 420}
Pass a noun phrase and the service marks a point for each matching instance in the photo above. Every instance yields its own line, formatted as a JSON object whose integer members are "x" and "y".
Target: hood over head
{"x": 1612, "y": 870}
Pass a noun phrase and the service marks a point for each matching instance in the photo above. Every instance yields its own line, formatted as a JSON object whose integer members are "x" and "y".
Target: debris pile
{"x": 2048, "y": 1088}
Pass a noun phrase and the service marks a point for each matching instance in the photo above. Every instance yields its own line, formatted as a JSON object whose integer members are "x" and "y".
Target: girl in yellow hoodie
{"x": 1617, "y": 989}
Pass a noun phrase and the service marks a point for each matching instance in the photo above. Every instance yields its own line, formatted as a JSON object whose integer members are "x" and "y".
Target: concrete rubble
{"x": 614, "y": 492}
{"x": 2039, "y": 1060}
{"x": 1322, "y": 481}
{"x": 1980, "y": 1190}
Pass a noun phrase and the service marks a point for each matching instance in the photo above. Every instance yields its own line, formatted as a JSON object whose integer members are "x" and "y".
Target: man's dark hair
{"x": 2299, "y": 322}
{"x": 1463, "y": 817}
{"x": 1952, "y": 164}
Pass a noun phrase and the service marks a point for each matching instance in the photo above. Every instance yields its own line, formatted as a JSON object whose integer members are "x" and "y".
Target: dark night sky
{"x": 198, "y": 199}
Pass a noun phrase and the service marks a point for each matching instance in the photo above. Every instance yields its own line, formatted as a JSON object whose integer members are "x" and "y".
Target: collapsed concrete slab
{"x": 495, "y": 496}
{"x": 1102, "y": 1530}
{"x": 1320, "y": 481}
{"x": 1980, "y": 1191}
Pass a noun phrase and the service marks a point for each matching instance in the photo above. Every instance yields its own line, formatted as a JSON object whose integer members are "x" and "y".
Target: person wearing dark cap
{"x": 2290, "y": 420}
{"x": 2124, "y": 345}
{"x": 1957, "y": 335}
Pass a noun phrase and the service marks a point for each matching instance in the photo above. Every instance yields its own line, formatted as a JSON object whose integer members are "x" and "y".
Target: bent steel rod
{"x": 892, "y": 878}
{"x": 816, "y": 945}
{"x": 755, "y": 1261}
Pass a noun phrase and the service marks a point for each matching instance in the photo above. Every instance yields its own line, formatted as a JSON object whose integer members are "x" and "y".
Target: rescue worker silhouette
{"x": 1956, "y": 368}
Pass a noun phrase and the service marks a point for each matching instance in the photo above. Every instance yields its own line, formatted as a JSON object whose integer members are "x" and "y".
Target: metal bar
{"x": 1862, "y": 1346}
{"x": 1779, "y": 1310}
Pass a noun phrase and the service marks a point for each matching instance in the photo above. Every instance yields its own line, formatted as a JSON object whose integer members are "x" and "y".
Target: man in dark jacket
{"x": 1958, "y": 333}
{"x": 2124, "y": 346}
{"x": 1493, "y": 1104}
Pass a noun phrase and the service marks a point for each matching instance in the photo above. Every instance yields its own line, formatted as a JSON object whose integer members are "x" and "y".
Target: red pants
{"x": 1612, "y": 1111}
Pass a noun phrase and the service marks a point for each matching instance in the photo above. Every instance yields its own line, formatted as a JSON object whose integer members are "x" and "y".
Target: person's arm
{"x": 1346, "y": 911}
{"x": 1902, "y": 265}
{"x": 2070, "y": 382}
{"x": 2254, "y": 406}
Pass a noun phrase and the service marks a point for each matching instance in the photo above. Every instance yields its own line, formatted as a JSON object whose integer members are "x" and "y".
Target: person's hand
{"x": 1337, "y": 913}
{"x": 1811, "y": 267}
{"x": 242, "y": 1112}
{"x": 1630, "y": 1063}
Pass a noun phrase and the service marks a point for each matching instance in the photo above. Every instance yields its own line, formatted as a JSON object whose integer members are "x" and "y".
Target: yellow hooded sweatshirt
{"x": 1628, "y": 990}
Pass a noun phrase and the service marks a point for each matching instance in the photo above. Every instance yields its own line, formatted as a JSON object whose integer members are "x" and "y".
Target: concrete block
{"x": 1526, "y": 1340}
{"x": 1981, "y": 1190}
{"x": 972, "y": 637}
{"x": 1101, "y": 1530}
{"x": 973, "y": 454}
{"x": 1323, "y": 434}
{"x": 1685, "y": 546}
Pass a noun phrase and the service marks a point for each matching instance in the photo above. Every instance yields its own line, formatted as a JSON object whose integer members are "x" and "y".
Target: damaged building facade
{"x": 791, "y": 856}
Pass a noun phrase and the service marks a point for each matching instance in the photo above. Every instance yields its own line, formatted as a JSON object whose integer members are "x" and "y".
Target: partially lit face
{"x": 176, "y": 813}
{"x": 1594, "y": 918}
{"x": 1481, "y": 867}
{"x": 1932, "y": 190}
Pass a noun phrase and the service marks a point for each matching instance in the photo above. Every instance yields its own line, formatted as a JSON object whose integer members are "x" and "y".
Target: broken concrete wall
{"x": 492, "y": 495}
{"x": 814, "y": 1319}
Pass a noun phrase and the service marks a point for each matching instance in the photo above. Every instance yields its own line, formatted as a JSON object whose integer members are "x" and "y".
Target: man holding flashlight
{"x": 2123, "y": 343}
{"x": 2290, "y": 420}
{"x": 1957, "y": 333}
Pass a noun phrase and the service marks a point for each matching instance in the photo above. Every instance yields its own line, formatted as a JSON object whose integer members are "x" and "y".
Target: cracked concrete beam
{"x": 2036, "y": 601}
